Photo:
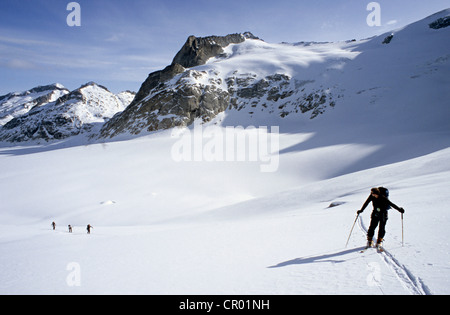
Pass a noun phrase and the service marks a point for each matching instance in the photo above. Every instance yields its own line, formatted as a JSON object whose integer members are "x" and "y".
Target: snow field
{"x": 180, "y": 230}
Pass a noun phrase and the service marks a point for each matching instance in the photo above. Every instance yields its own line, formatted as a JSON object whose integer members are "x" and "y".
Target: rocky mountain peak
{"x": 197, "y": 50}
{"x": 262, "y": 79}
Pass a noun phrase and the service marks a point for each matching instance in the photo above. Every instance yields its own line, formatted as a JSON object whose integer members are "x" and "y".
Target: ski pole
{"x": 403, "y": 236}
{"x": 352, "y": 230}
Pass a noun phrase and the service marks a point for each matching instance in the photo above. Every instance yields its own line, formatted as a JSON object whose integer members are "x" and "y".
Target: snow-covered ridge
{"x": 19, "y": 103}
{"x": 64, "y": 113}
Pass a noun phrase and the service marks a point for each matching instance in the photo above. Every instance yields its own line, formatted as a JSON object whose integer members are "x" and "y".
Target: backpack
{"x": 384, "y": 192}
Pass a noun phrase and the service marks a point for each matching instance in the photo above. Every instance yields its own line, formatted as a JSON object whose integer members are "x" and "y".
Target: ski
{"x": 369, "y": 245}
{"x": 379, "y": 249}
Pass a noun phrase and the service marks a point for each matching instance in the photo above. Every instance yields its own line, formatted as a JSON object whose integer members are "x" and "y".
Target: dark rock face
{"x": 388, "y": 39}
{"x": 156, "y": 79}
{"x": 279, "y": 94}
{"x": 197, "y": 50}
{"x": 440, "y": 23}
{"x": 170, "y": 106}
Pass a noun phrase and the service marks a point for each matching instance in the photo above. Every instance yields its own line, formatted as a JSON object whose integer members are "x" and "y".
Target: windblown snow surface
{"x": 164, "y": 224}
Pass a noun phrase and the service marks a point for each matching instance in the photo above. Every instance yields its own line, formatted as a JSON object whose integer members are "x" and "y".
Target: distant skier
{"x": 53, "y": 225}
{"x": 381, "y": 205}
{"x": 88, "y": 228}
{"x": 70, "y": 228}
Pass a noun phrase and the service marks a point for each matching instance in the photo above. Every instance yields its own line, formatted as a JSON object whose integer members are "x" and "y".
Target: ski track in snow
{"x": 414, "y": 285}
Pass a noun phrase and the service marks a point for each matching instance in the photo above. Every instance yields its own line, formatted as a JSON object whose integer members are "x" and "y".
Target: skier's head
{"x": 375, "y": 192}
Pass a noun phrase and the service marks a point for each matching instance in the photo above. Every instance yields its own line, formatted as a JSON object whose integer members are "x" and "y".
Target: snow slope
{"x": 164, "y": 226}
{"x": 161, "y": 227}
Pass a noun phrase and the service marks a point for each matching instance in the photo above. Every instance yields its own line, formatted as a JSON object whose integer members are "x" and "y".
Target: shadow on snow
{"x": 331, "y": 258}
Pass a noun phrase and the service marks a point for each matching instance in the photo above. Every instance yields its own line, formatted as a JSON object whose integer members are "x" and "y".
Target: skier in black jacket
{"x": 381, "y": 205}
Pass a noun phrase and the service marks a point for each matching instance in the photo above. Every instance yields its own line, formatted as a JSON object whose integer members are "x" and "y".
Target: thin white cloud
{"x": 114, "y": 38}
{"x": 26, "y": 41}
{"x": 20, "y": 64}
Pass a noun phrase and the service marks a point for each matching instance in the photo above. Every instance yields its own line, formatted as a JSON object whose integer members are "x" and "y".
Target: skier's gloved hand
{"x": 402, "y": 210}
{"x": 360, "y": 211}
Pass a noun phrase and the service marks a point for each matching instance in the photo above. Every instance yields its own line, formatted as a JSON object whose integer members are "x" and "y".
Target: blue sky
{"x": 120, "y": 42}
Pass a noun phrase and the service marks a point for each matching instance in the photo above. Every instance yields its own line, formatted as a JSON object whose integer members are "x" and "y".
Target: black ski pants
{"x": 377, "y": 219}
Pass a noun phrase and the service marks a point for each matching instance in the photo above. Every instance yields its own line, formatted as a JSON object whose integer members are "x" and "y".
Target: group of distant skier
{"x": 88, "y": 227}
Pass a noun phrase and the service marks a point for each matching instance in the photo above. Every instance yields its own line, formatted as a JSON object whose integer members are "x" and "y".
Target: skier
{"x": 70, "y": 228}
{"x": 381, "y": 205}
{"x": 54, "y": 225}
{"x": 88, "y": 228}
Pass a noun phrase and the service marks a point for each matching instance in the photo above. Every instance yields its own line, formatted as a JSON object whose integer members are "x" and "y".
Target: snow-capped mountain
{"x": 19, "y": 103}
{"x": 394, "y": 72}
{"x": 62, "y": 114}
{"x": 249, "y": 80}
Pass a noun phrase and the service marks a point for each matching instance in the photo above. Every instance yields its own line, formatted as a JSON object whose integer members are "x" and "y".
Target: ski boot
{"x": 369, "y": 245}
{"x": 379, "y": 245}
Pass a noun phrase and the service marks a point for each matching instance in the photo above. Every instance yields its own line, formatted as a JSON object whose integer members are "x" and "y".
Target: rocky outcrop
{"x": 388, "y": 39}
{"x": 440, "y": 23}
{"x": 156, "y": 80}
{"x": 197, "y": 50}
{"x": 203, "y": 95}
{"x": 168, "y": 106}
{"x": 277, "y": 94}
